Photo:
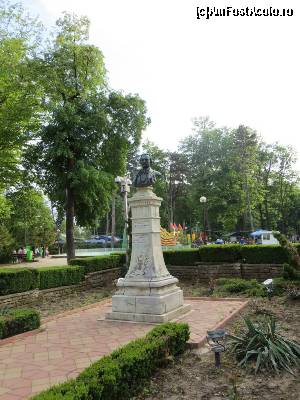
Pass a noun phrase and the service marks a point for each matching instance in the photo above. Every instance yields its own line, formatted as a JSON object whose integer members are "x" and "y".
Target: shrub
{"x": 263, "y": 254}
{"x": 261, "y": 345}
{"x": 60, "y": 276}
{"x": 15, "y": 280}
{"x": 220, "y": 253}
{"x": 122, "y": 374}
{"x": 181, "y": 257}
{"x": 292, "y": 252}
{"x": 281, "y": 285}
{"x": 99, "y": 263}
{"x": 290, "y": 273}
{"x": 7, "y": 244}
{"x": 236, "y": 285}
{"x": 252, "y": 254}
{"x": 17, "y": 321}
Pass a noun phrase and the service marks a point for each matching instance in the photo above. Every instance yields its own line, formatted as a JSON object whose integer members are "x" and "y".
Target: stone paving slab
{"x": 68, "y": 343}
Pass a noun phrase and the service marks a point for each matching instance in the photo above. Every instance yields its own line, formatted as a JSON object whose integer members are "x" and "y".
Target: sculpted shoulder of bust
{"x": 146, "y": 176}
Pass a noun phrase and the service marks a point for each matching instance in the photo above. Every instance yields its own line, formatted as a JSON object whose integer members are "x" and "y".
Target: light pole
{"x": 125, "y": 183}
{"x": 203, "y": 201}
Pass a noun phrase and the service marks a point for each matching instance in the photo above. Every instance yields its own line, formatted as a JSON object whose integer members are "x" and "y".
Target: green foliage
{"x": 60, "y": 276}
{"x": 293, "y": 256}
{"x": 281, "y": 285}
{"x": 220, "y": 253}
{"x": 16, "y": 280}
{"x": 6, "y": 240}
{"x": 122, "y": 374}
{"x": 262, "y": 346}
{"x": 18, "y": 321}
{"x": 20, "y": 93}
{"x": 290, "y": 273}
{"x": 263, "y": 254}
{"x": 236, "y": 285}
{"x": 6, "y": 244}
{"x": 31, "y": 221}
{"x": 99, "y": 263}
{"x": 181, "y": 257}
{"x": 252, "y": 254}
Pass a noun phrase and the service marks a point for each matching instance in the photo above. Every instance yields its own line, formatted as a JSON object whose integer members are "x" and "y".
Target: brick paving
{"x": 68, "y": 343}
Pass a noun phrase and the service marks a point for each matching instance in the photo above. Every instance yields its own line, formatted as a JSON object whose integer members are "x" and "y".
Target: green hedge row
{"x": 17, "y": 280}
{"x": 181, "y": 257}
{"x": 13, "y": 322}
{"x": 60, "y": 276}
{"x": 252, "y": 254}
{"x": 99, "y": 263}
{"x": 124, "y": 372}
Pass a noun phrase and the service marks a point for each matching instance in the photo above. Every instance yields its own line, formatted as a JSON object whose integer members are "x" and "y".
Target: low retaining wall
{"x": 92, "y": 280}
{"x": 203, "y": 272}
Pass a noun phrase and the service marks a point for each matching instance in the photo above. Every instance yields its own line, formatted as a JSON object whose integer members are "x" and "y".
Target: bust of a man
{"x": 146, "y": 176}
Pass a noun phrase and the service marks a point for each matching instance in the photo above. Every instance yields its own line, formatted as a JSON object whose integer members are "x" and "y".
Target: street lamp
{"x": 203, "y": 201}
{"x": 125, "y": 182}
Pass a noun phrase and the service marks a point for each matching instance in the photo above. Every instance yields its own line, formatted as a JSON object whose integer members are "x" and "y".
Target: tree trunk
{"x": 113, "y": 221}
{"x": 70, "y": 213}
{"x": 107, "y": 224}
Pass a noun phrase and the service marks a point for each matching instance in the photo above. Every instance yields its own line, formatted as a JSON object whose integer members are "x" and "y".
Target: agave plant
{"x": 261, "y": 345}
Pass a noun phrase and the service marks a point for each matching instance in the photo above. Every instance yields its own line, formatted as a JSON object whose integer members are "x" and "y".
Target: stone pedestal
{"x": 148, "y": 293}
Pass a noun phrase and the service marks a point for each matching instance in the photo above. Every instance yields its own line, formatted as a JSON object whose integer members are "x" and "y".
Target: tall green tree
{"x": 88, "y": 131}
{"x": 19, "y": 91}
{"x": 30, "y": 222}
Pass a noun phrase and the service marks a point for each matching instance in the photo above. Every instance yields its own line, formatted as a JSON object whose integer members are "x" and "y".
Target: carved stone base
{"x": 154, "y": 308}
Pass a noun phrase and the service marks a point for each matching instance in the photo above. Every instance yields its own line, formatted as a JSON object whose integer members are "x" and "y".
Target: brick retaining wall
{"x": 202, "y": 272}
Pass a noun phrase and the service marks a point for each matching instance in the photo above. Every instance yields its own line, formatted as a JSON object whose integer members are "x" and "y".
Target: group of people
{"x": 21, "y": 254}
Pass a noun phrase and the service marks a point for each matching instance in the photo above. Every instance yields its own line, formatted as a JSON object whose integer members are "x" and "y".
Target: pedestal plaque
{"x": 148, "y": 293}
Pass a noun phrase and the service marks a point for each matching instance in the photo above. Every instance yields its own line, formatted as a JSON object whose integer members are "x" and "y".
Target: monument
{"x": 148, "y": 293}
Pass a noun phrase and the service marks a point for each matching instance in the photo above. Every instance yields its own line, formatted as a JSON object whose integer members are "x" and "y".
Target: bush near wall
{"x": 18, "y": 321}
{"x": 122, "y": 374}
{"x": 99, "y": 263}
{"x": 252, "y": 254}
{"x": 60, "y": 276}
{"x": 220, "y": 253}
{"x": 16, "y": 280}
{"x": 263, "y": 254}
{"x": 181, "y": 257}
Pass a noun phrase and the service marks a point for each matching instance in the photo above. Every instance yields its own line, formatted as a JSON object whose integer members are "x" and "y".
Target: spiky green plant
{"x": 261, "y": 345}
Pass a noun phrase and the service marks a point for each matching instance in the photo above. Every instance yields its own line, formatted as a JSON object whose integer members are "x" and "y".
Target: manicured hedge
{"x": 123, "y": 374}
{"x": 263, "y": 254}
{"x": 220, "y": 253}
{"x": 181, "y": 257}
{"x": 18, "y": 321}
{"x": 60, "y": 276}
{"x": 18, "y": 280}
{"x": 99, "y": 263}
{"x": 15, "y": 280}
{"x": 252, "y": 254}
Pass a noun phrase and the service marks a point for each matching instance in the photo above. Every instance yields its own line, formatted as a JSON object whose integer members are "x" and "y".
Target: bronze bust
{"x": 146, "y": 176}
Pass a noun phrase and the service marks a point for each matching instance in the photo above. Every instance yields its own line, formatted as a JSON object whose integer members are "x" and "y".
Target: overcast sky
{"x": 236, "y": 70}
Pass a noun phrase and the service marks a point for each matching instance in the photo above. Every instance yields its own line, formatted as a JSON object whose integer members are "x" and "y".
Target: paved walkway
{"x": 68, "y": 343}
{"x": 41, "y": 262}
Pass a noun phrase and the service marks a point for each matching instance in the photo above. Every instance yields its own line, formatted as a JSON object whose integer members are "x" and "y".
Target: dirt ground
{"x": 193, "y": 375}
{"x": 77, "y": 299}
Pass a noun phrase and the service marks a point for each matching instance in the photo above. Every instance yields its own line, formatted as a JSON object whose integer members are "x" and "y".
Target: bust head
{"x": 145, "y": 160}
